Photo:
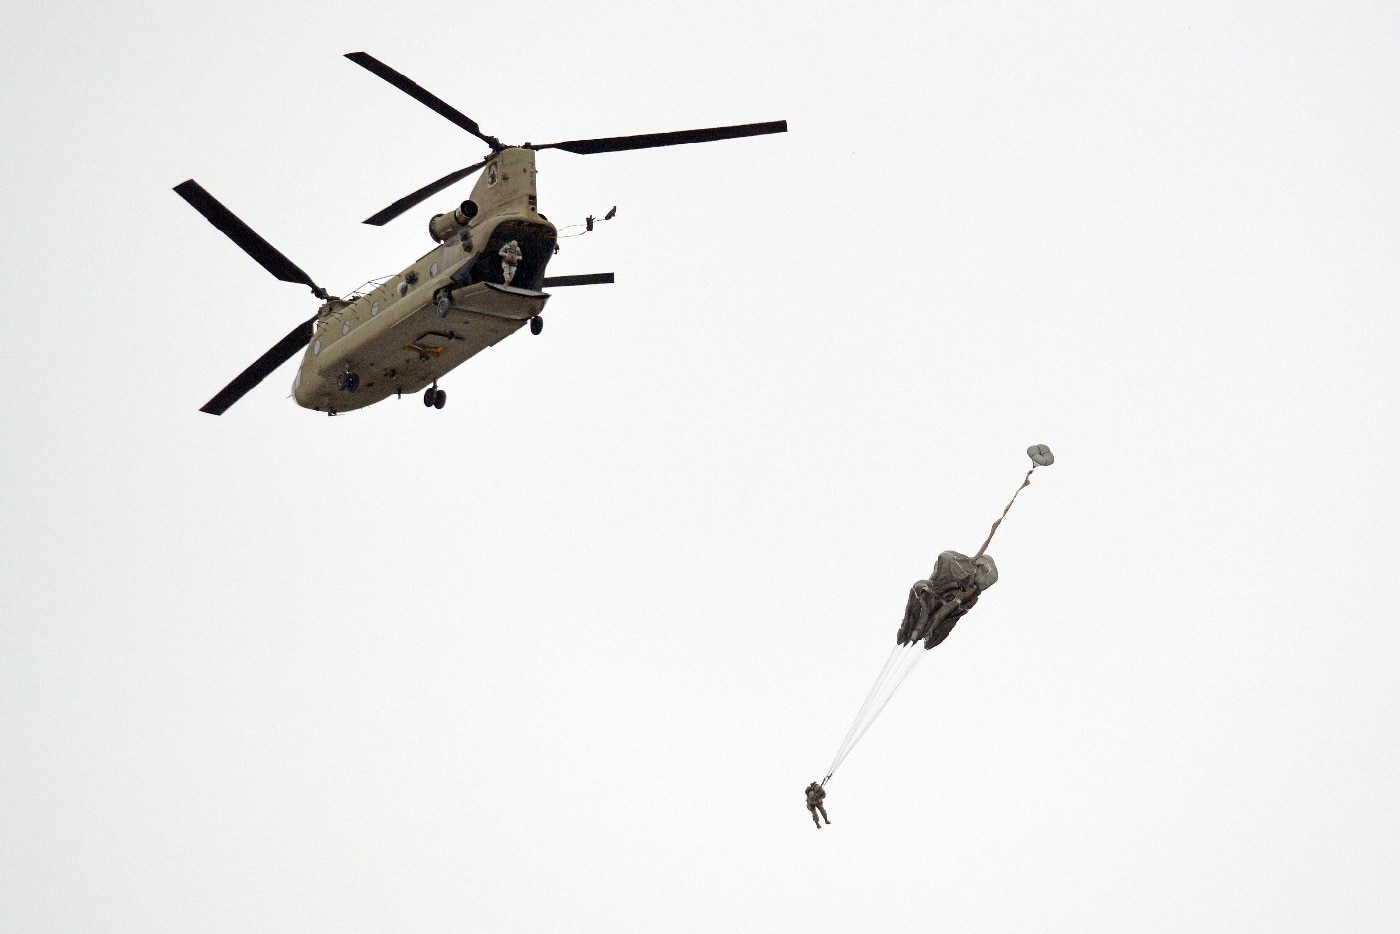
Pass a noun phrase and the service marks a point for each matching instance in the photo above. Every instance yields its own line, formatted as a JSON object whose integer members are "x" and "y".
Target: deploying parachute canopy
{"x": 934, "y": 608}
{"x": 935, "y": 605}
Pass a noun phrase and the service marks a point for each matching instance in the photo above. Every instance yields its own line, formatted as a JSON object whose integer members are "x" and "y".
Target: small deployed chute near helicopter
{"x": 481, "y": 283}
{"x": 935, "y": 605}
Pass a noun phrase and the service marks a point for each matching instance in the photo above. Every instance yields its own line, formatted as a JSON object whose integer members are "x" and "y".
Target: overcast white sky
{"x": 563, "y": 655}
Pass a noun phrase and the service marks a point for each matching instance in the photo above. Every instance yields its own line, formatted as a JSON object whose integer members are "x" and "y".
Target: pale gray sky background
{"x": 563, "y": 655}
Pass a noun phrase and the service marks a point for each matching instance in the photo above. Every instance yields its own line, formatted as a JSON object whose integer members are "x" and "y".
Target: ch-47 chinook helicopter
{"x": 481, "y": 283}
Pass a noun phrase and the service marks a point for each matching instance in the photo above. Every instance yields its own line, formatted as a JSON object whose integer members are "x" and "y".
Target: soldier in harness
{"x": 510, "y": 258}
{"x": 816, "y": 794}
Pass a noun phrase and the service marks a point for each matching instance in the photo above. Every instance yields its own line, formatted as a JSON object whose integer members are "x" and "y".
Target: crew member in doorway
{"x": 510, "y": 258}
{"x": 815, "y": 795}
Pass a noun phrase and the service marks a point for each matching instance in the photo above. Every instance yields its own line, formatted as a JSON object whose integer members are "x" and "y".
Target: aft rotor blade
{"x": 240, "y": 233}
{"x": 261, "y": 369}
{"x": 421, "y": 195}
{"x": 592, "y": 278}
{"x": 651, "y": 140}
{"x": 416, "y": 91}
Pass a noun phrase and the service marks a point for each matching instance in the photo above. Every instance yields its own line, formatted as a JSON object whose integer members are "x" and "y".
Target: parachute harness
{"x": 903, "y": 658}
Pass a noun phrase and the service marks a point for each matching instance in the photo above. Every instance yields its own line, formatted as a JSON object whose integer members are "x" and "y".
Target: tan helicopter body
{"x": 442, "y": 310}
{"x": 482, "y": 282}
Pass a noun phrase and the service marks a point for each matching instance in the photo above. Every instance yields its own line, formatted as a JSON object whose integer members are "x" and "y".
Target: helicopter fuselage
{"x": 448, "y": 306}
{"x": 482, "y": 281}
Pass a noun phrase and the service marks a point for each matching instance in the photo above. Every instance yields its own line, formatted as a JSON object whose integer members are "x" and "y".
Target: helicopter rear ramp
{"x": 498, "y": 301}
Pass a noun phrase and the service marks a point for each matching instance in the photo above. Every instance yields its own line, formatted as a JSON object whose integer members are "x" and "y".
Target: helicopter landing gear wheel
{"x": 439, "y": 398}
{"x": 443, "y": 304}
{"x": 536, "y": 324}
{"x": 429, "y": 396}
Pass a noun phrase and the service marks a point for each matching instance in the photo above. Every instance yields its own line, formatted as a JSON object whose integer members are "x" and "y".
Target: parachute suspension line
{"x": 897, "y": 667}
{"x": 904, "y": 673}
{"x": 884, "y": 675}
{"x": 885, "y": 688}
{"x": 890, "y": 664}
{"x": 865, "y": 705}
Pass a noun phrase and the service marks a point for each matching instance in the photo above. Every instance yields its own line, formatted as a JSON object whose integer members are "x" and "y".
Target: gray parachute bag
{"x": 935, "y": 605}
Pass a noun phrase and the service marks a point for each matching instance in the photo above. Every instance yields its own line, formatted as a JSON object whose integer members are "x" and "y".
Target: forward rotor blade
{"x": 421, "y": 95}
{"x": 240, "y": 233}
{"x": 592, "y": 278}
{"x": 651, "y": 140}
{"x": 261, "y": 369}
{"x": 421, "y": 195}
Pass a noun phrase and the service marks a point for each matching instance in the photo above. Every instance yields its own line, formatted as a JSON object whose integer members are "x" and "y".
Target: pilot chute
{"x": 935, "y": 605}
